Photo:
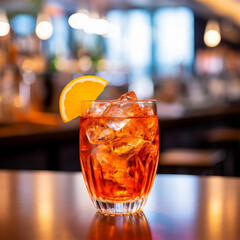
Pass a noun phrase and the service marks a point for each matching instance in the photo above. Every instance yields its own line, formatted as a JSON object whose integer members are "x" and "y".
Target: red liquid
{"x": 119, "y": 156}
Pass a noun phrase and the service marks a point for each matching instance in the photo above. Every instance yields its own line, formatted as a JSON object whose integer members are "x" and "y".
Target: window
{"x": 58, "y": 43}
{"x": 174, "y": 40}
{"x": 133, "y": 48}
{"x": 134, "y": 44}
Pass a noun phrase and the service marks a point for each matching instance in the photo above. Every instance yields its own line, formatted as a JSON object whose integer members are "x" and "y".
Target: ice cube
{"x": 103, "y": 154}
{"x": 150, "y": 126}
{"x": 97, "y": 131}
{"x": 129, "y": 96}
{"x": 117, "y": 124}
{"x": 123, "y": 107}
{"x": 121, "y": 177}
{"x": 127, "y": 146}
{"x": 114, "y": 111}
{"x": 130, "y": 108}
{"x": 133, "y": 128}
{"x": 148, "y": 152}
{"x": 97, "y": 109}
{"x": 101, "y": 159}
{"x": 112, "y": 166}
{"x": 127, "y": 104}
{"x": 144, "y": 112}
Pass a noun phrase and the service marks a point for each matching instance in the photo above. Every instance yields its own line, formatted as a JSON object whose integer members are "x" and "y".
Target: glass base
{"x": 120, "y": 208}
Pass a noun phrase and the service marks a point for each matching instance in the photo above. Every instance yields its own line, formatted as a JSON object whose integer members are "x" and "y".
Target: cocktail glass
{"x": 119, "y": 148}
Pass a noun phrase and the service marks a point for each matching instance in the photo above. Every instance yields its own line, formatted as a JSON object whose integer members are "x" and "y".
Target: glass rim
{"x": 119, "y": 101}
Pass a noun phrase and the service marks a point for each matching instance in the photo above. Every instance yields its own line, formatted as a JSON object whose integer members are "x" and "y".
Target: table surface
{"x": 55, "y": 205}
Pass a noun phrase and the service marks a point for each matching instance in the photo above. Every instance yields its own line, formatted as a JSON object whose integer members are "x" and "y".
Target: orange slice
{"x": 79, "y": 89}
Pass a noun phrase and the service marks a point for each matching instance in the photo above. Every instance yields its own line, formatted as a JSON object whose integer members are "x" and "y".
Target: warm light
{"x": 92, "y": 26}
{"x": 215, "y": 205}
{"x": 113, "y": 31}
{"x": 212, "y": 36}
{"x": 4, "y": 24}
{"x": 98, "y": 26}
{"x": 102, "y": 27}
{"x": 4, "y": 28}
{"x": 78, "y": 20}
{"x": 44, "y": 209}
{"x": 44, "y": 28}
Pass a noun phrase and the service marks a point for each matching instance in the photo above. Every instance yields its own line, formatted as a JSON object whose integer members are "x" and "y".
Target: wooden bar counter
{"x": 49, "y": 205}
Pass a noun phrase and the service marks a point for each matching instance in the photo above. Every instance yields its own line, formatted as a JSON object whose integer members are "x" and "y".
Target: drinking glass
{"x": 119, "y": 149}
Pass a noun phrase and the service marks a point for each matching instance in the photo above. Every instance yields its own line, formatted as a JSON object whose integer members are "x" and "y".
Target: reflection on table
{"x": 50, "y": 205}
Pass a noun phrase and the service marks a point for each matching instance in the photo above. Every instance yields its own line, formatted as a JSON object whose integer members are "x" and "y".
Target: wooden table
{"x": 54, "y": 205}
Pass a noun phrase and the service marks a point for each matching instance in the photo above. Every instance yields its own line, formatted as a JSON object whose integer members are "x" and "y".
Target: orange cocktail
{"x": 119, "y": 148}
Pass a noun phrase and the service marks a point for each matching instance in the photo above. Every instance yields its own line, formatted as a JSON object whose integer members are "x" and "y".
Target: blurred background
{"x": 184, "y": 53}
